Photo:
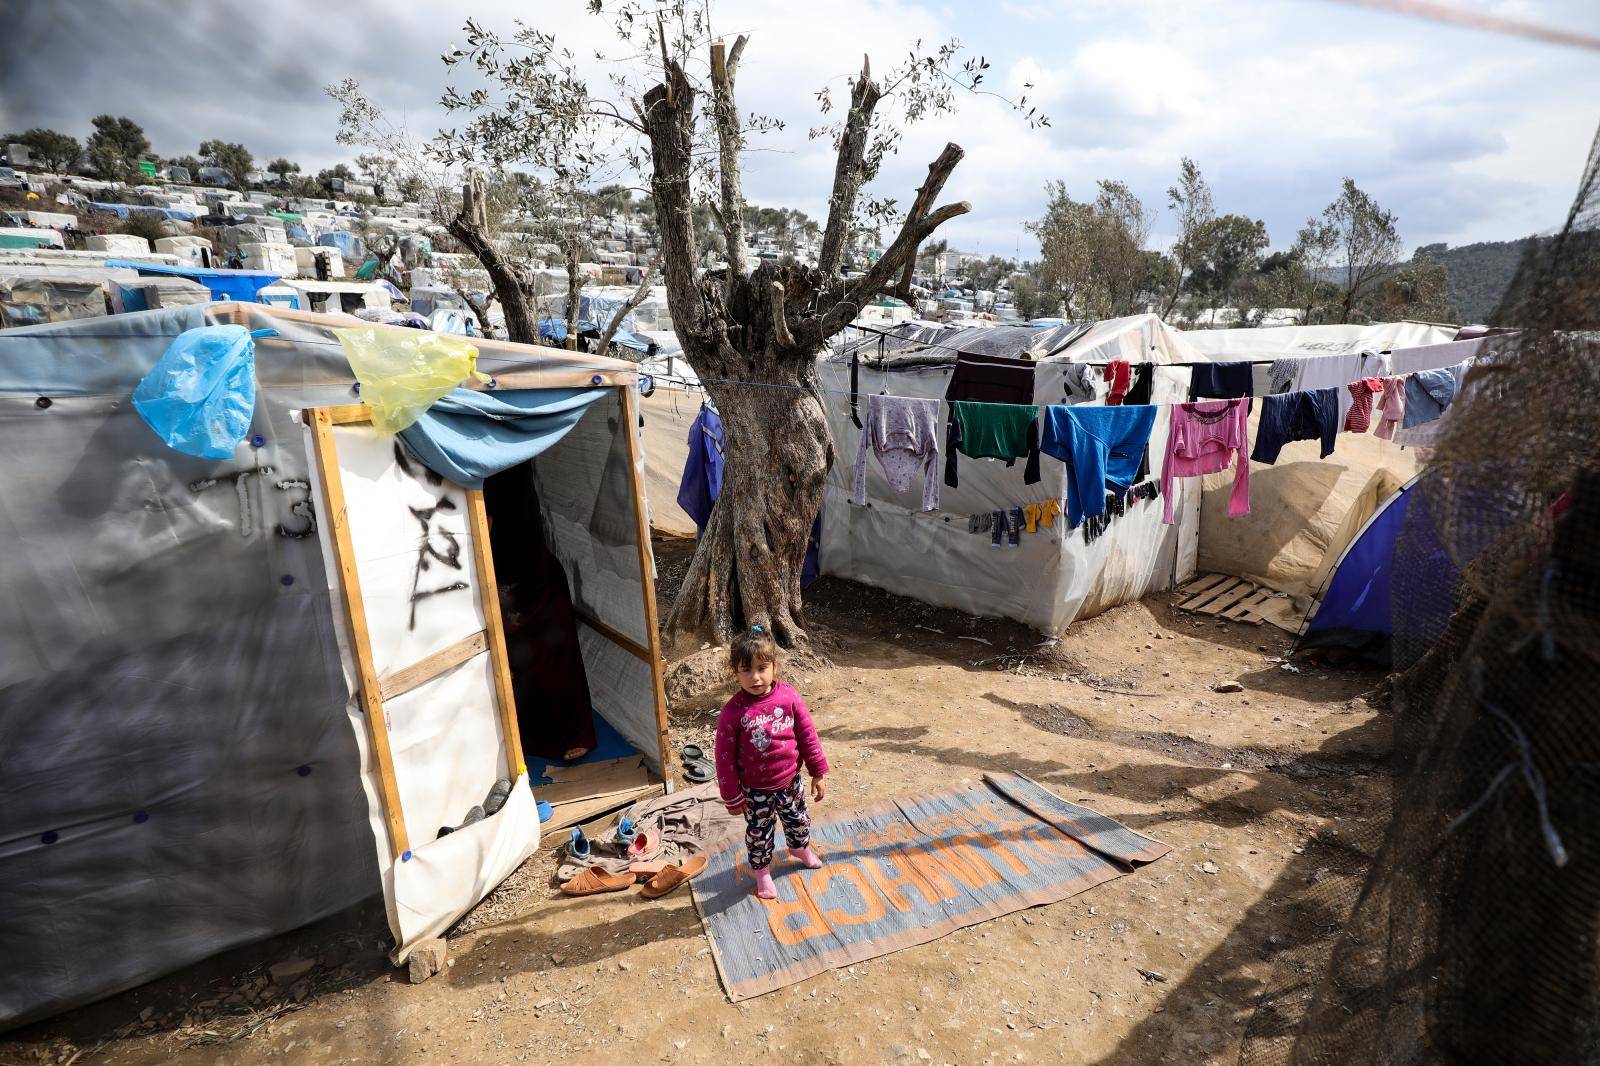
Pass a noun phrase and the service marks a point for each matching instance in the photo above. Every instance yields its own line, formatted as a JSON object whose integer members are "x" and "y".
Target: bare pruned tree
{"x": 752, "y": 335}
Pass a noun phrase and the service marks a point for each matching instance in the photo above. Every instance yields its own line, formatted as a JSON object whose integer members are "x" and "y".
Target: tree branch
{"x": 938, "y": 173}
{"x": 859, "y": 291}
{"x": 470, "y": 227}
{"x": 625, "y": 310}
{"x": 729, "y": 138}
{"x": 669, "y": 121}
{"x": 780, "y": 325}
{"x": 849, "y": 170}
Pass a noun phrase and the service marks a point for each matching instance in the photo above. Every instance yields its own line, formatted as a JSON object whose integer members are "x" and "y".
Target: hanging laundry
{"x": 1030, "y": 517}
{"x": 1294, "y": 416}
{"x": 1281, "y": 374}
{"x": 1337, "y": 371}
{"x": 1008, "y": 431}
{"x": 991, "y": 379}
{"x": 904, "y": 434}
{"x": 1118, "y": 372}
{"x": 1049, "y": 510}
{"x": 1015, "y": 528}
{"x": 701, "y": 483}
{"x": 1221, "y": 381}
{"x": 1391, "y": 407}
{"x": 1359, "y": 417}
{"x": 1102, "y": 446}
{"x": 1140, "y": 381}
{"x": 1078, "y": 383}
{"x": 1204, "y": 438}
{"x": 1428, "y": 393}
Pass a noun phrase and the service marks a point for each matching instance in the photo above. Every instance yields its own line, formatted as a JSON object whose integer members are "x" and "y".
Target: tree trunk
{"x": 574, "y": 283}
{"x": 746, "y": 570}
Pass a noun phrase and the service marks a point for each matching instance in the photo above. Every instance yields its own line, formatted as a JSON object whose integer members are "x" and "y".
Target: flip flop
{"x": 697, "y": 771}
{"x": 692, "y": 753}
{"x": 672, "y": 877}
{"x": 646, "y": 843}
{"x": 595, "y": 880}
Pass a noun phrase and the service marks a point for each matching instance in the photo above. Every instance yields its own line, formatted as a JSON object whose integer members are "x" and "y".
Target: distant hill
{"x": 1477, "y": 275}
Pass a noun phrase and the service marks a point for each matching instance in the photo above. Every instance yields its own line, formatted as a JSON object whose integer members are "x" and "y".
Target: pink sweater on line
{"x": 761, "y": 743}
{"x": 1205, "y": 438}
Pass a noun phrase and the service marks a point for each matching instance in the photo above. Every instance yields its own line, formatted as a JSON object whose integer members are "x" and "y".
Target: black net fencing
{"x": 1468, "y": 928}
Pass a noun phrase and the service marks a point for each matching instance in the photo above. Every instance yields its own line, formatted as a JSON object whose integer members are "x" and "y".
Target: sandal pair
{"x": 595, "y": 880}
{"x": 697, "y": 769}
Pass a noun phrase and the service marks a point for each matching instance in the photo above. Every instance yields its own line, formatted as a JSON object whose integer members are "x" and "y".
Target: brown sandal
{"x": 672, "y": 877}
{"x": 595, "y": 880}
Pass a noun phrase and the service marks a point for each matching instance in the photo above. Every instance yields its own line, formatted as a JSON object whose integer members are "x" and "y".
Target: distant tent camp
{"x": 1355, "y": 612}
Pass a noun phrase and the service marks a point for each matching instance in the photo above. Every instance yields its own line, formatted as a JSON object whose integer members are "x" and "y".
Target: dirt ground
{"x": 1253, "y": 789}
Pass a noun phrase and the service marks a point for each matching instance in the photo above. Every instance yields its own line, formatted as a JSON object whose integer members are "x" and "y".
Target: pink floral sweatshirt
{"x": 762, "y": 742}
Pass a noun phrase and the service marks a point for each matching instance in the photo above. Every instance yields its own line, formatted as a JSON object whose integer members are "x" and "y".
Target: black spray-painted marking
{"x": 440, "y": 546}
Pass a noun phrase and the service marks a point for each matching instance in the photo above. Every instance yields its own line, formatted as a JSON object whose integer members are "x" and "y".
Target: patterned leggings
{"x": 763, "y": 810}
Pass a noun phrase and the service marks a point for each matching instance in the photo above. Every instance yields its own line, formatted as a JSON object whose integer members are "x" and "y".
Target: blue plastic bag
{"x": 201, "y": 394}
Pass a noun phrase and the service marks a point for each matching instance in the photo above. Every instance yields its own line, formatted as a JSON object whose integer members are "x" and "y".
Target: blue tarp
{"x": 241, "y": 285}
{"x": 349, "y": 244}
{"x": 1357, "y": 608}
{"x": 466, "y": 436}
{"x": 124, "y": 210}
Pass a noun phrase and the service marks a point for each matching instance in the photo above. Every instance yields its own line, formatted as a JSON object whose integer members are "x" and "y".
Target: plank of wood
{"x": 420, "y": 673}
{"x": 641, "y": 518}
{"x": 599, "y": 770}
{"x": 619, "y": 779}
{"x": 1201, "y": 584}
{"x": 1245, "y": 606}
{"x": 612, "y": 635}
{"x": 1228, "y": 599}
{"x": 569, "y": 814}
{"x": 489, "y": 594}
{"x": 1211, "y": 594}
{"x": 355, "y": 614}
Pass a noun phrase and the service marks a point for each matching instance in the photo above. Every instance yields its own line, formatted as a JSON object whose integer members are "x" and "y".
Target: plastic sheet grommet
{"x": 49, "y": 837}
{"x": 493, "y": 384}
{"x": 303, "y": 771}
{"x": 258, "y": 441}
{"x": 140, "y": 817}
{"x": 647, "y": 386}
{"x": 43, "y": 403}
{"x": 356, "y": 388}
{"x": 597, "y": 379}
{"x": 405, "y": 856}
{"x": 286, "y": 580}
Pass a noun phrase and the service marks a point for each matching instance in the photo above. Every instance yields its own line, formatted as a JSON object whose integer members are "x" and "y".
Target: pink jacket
{"x": 1204, "y": 438}
{"x": 1391, "y": 407}
{"x": 762, "y": 742}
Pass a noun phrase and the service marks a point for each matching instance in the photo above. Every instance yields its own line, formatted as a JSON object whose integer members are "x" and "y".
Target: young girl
{"x": 764, "y": 733}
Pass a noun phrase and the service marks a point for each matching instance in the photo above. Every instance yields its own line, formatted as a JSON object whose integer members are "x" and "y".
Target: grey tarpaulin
{"x": 179, "y": 773}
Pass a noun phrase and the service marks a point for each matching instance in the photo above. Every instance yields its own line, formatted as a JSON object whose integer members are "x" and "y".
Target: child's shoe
{"x": 765, "y": 889}
{"x": 807, "y": 857}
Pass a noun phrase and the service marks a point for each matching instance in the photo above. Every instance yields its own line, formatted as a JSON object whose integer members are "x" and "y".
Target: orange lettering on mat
{"x": 988, "y": 848}
{"x": 818, "y": 880}
{"x": 780, "y": 910}
{"x": 890, "y": 884}
{"x": 963, "y": 863}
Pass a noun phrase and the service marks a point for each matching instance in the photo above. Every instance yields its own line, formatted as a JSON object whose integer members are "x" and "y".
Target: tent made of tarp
{"x": 240, "y": 285}
{"x": 238, "y": 696}
{"x": 1304, "y": 509}
{"x": 1356, "y": 610}
{"x": 1053, "y": 576}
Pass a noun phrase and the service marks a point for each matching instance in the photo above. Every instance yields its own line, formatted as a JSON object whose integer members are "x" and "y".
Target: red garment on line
{"x": 1120, "y": 373}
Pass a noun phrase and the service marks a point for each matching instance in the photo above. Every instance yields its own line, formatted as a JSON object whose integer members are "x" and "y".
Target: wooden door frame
{"x": 373, "y": 692}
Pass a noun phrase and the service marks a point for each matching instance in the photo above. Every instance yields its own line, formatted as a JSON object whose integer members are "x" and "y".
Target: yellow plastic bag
{"x": 402, "y": 371}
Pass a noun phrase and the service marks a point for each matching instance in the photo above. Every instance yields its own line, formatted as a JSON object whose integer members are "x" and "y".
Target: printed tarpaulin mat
{"x": 906, "y": 872}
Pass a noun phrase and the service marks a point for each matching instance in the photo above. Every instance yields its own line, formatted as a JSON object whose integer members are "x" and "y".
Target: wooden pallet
{"x": 1225, "y": 596}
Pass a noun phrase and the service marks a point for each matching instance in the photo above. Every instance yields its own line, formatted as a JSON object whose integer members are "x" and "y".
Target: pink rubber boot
{"x": 765, "y": 889}
{"x": 808, "y": 858}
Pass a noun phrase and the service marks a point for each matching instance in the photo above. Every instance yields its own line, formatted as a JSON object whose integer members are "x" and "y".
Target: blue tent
{"x": 1355, "y": 611}
{"x": 241, "y": 285}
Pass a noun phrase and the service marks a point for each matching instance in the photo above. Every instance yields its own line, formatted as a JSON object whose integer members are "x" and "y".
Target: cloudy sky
{"x": 1466, "y": 135}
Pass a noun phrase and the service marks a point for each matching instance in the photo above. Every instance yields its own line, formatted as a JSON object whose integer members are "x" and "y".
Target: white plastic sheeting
{"x": 1224, "y": 345}
{"x": 1053, "y": 577}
